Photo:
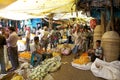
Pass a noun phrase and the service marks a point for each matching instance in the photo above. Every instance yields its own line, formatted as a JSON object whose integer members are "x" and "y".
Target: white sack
{"x": 109, "y": 71}
{"x": 21, "y": 46}
{"x": 83, "y": 67}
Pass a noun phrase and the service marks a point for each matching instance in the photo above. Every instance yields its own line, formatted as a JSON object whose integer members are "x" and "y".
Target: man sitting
{"x": 35, "y": 49}
{"x": 96, "y": 53}
{"x": 37, "y": 52}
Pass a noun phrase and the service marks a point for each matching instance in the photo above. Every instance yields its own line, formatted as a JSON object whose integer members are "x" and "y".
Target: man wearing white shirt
{"x": 12, "y": 48}
{"x": 45, "y": 39}
{"x": 35, "y": 49}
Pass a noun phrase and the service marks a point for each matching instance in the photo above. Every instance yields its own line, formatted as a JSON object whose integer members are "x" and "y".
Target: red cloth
{"x": 93, "y": 23}
{"x": 27, "y": 29}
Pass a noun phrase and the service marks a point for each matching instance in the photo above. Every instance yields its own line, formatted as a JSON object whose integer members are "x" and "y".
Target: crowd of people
{"x": 80, "y": 36}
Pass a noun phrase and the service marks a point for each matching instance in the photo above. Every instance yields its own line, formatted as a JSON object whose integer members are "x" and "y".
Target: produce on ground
{"x": 47, "y": 66}
{"x": 26, "y": 55}
{"x": 84, "y": 59}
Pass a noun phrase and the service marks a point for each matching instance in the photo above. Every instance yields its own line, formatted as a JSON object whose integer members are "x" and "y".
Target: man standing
{"x": 45, "y": 39}
{"x": 12, "y": 48}
{"x": 2, "y": 60}
{"x": 27, "y": 40}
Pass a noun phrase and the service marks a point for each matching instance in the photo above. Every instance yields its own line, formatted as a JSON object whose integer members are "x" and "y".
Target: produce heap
{"x": 47, "y": 66}
{"x": 83, "y": 59}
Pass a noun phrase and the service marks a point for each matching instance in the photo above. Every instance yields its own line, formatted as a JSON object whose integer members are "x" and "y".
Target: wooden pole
{"x": 103, "y": 22}
{"x": 50, "y": 21}
{"x": 112, "y": 15}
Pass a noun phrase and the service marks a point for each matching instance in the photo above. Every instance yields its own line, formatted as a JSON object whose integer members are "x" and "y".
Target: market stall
{"x": 74, "y": 14}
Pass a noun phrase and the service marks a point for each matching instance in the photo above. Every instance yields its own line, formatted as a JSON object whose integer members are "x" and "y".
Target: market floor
{"x": 67, "y": 72}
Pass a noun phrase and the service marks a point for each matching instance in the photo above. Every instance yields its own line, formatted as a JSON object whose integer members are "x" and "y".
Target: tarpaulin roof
{"x": 69, "y": 15}
{"x": 4, "y": 3}
{"x": 25, "y": 9}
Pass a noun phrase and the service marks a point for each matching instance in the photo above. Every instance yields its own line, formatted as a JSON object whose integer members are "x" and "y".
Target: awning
{"x": 4, "y": 3}
{"x": 36, "y": 8}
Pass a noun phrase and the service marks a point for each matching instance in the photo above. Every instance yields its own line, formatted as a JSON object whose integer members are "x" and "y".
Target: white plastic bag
{"x": 21, "y": 46}
{"x": 2, "y": 75}
{"x": 83, "y": 66}
{"x": 106, "y": 70}
{"x": 25, "y": 65}
{"x": 65, "y": 51}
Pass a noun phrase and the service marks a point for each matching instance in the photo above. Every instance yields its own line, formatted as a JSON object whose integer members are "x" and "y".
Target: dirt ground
{"x": 67, "y": 72}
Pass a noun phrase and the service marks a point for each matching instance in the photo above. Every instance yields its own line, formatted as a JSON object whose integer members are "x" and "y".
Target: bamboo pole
{"x": 112, "y": 15}
{"x": 103, "y": 22}
{"x": 50, "y": 21}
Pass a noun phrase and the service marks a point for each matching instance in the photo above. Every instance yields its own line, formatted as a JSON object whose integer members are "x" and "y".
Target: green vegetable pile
{"x": 48, "y": 65}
